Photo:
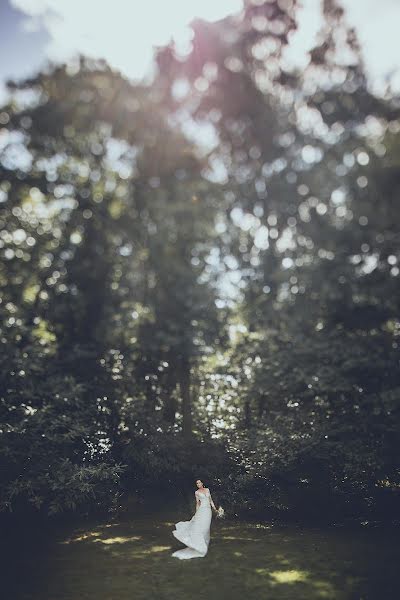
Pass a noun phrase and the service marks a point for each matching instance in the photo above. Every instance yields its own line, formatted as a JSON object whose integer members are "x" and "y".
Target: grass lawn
{"x": 131, "y": 559}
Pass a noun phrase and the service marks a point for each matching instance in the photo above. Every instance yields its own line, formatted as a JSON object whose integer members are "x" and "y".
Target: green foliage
{"x": 50, "y": 459}
{"x": 168, "y": 310}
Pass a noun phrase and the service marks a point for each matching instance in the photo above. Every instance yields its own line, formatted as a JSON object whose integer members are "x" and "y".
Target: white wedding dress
{"x": 196, "y": 532}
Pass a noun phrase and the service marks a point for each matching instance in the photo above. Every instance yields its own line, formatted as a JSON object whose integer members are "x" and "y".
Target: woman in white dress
{"x": 196, "y": 532}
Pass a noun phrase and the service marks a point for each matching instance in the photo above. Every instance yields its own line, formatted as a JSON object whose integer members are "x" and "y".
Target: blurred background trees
{"x": 230, "y": 311}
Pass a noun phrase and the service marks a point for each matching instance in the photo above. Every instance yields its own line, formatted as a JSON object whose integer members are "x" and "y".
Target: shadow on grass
{"x": 132, "y": 559}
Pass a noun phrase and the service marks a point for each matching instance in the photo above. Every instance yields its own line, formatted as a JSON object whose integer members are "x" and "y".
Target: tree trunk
{"x": 168, "y": 393}
{"x": 184, "y": 381}
{"x": 247, "y": 413}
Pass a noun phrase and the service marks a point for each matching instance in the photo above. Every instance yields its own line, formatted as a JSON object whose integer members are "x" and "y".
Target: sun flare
{"x": 122, "y": 32}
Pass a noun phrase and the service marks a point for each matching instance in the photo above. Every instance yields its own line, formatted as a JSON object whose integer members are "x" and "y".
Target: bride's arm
{"x": 211, "y": 502}
{"x": 197, "y": 501}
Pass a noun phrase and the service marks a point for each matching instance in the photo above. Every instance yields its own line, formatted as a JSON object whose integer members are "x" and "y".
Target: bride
{"x": 196, "y": 532}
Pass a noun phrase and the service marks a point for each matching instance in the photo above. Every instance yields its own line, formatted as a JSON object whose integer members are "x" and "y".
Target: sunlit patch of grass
{"x": 238, "y": 538}
{"x": 324, "y": 589}
{"x": 119, "y": 540}
{"x": 159, "y": 548}
{"x": 292, "y": 576}
{"x": 80, "y": 538}
{"x": 95, "y": 536}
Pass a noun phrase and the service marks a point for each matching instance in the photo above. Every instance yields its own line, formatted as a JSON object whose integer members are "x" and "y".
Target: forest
{"x": 199, "y": 278}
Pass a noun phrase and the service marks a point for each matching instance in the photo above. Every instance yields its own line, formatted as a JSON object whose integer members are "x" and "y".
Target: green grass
{"x": 131, "y": 559}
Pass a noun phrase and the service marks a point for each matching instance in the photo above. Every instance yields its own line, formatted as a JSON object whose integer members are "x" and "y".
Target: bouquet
{"x": 220, "y": 513}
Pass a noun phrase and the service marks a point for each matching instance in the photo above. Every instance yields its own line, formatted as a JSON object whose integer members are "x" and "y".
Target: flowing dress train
{"x": 196, "y": 532}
